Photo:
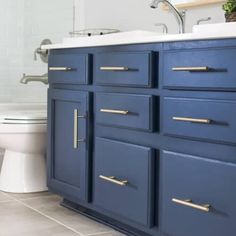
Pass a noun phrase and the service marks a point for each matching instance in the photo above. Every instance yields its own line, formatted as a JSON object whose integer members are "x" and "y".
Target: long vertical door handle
{"x": 75, "y": 128}
{"x": 77, "y": 140}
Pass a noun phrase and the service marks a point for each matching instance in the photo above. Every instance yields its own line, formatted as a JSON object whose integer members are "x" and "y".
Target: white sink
{"x": 121, "y": 36}
{"x": 215, "y": 29}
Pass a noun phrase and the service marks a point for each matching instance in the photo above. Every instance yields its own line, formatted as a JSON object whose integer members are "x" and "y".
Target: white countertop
{"x": 137, "y": 37}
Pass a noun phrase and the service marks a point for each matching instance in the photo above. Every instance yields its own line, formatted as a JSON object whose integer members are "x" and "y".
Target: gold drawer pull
{"x": 60, "y": 69}
{"x": 114, "y": 68}
{"x": 189, "y": 203}
{"x": 113, "y": 180}
{"x": 119, "y": 112}
{"x": 193, "y": 120}
{"x": 192, "y": 69}
{"x": 76, "y": 132}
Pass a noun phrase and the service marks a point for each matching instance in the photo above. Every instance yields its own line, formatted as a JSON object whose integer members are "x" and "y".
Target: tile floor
{"x": 40, "y": 214}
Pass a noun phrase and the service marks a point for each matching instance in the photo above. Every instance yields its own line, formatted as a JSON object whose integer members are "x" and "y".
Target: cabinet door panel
{"x": 125, "y": 162}
{"x": 206, "y": 119}
{"x": 204, "y": 182}
{"x": 67, "y": 163}
{"x": 124, "y": 69}
{"x": 69, "y": 68}
{"x": 211, "y": 69}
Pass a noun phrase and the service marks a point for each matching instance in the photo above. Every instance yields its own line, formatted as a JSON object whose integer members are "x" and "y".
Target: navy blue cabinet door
{"x": 190, "y": 179}
{"x": 68, "y": 141}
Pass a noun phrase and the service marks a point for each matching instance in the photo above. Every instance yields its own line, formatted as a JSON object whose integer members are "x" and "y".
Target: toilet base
{"x": 23, "y": 173}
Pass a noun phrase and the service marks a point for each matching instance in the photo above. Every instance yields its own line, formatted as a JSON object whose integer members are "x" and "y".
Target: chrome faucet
{"x": 30, "y": 78}
{"x": 178, "y": 15}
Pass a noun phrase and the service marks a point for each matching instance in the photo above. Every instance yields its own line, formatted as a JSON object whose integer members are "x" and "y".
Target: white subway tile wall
{"x": 24, "y": 24}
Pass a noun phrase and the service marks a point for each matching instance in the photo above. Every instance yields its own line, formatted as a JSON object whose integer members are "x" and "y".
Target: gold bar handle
{"x": 189, "y": 203}
{"x": 60, "y": 69}
{"x": 76, "y": 132}
{"x": 119, "y": 112}
{"x": 114, "y": 68}
{"x": 75, "y": 128}
{"x": 192, "y": 69}
{"x": 193, "y": 120}
{"x": 113, "y": 180}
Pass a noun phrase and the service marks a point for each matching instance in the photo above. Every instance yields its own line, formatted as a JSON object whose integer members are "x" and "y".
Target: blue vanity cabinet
{"x": 198, "y": 196}
{"x": 143, "y": 137}
{"x": 68, "y": 143}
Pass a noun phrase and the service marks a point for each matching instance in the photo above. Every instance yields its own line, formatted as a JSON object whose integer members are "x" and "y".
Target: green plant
{"x": 230, "y": 6}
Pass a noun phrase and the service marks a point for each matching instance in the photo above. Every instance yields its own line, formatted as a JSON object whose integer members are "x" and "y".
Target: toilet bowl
{"x": 23, "y": 137}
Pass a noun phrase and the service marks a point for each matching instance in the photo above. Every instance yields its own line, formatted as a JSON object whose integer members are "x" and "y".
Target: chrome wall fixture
{"x": 34, "y": 78}
{"x": 43, "y": 53}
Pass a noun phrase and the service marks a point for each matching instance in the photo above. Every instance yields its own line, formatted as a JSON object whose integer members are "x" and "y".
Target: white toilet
{"x": 23, "y": 137}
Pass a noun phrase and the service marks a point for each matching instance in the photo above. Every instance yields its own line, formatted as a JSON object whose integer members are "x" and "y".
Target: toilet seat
{"x": 24, "y": 117}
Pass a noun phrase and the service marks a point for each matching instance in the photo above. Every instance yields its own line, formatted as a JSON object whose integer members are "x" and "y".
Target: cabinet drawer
{"x": 200, "y": 118}
{"x": 122, "y": 180}
{"x": 69, "y": 68}
{"x": 204, "y": 69}
{"x": 125, "y": 110}
{"x": 203, "y": 182}
{"x": 124, "y": 69}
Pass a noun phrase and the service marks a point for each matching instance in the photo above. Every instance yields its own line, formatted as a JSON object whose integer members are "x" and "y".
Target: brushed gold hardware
{"x": 60, "y": 69}
{"x": 75, "y": 128}
{"x": 119, "y": 112}
{"x": 76, "y": 140}
{"x": 113, "y": 180}
{"x": 189, "y": 203}
{"x": 114, "y": 68}
{"x": 193, "y": 120}
{"x": 192, "y": 69}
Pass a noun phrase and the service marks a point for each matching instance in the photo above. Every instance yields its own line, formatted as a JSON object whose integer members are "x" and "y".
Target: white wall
{"x": 11, "y": 46}
{"x": 24, "y": 24}
{"x": 136, "y": 14}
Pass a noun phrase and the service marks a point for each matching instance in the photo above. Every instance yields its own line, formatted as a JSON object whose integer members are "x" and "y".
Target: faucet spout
{"x": 178, "y": 15}
{"x": 34, "y": 78}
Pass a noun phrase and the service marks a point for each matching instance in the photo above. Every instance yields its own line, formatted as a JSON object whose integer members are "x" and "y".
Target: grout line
{"x": 32, "y": 198}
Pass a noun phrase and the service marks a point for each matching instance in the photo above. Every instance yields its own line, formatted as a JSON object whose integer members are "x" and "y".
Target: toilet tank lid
{"x": 24, "y": 115}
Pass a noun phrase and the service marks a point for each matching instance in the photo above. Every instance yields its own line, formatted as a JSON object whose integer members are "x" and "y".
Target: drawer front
{"x": 203, "y": 182}
{"x": 124, "y": 69}
{"x": 122, "y": 180}
{"x": 205, "y": 69}
{"x": 125, "y": 110}
{"x": 69, "y": 68}
{"x": 200, "y": 118}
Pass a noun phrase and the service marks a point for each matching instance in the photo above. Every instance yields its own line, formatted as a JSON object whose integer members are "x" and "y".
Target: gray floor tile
{"x": 50, "y": 206}
{"x": 20, "y": 196}
{"x": 18, "y": 220}
{"x": 4, "y": 197}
